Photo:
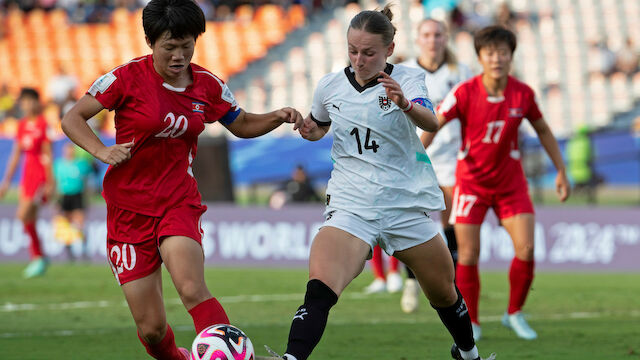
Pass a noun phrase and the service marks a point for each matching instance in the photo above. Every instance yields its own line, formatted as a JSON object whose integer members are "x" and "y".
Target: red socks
{"x": 393, "y": 264}
{"x": 34, "y": 248}
{"x": 376, "y": 263}
{"x": 164, "y": 350}
{"x": 468, "y": 282}
{"x": 207, "y": 313}
{"x": 520, "y": 278}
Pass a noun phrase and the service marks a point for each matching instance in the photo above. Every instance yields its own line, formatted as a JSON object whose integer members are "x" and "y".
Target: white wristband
{"x": 409, "y": 107}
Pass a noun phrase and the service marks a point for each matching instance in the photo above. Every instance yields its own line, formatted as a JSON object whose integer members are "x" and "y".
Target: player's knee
{"x": 320, "y": 295}
{"x": 443, "y": 295}
{"x": 192, "y": 293}
{"x": 152, "y": 332}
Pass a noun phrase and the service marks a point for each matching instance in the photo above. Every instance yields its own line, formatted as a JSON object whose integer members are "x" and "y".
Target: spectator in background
{"x": 635, "y": 131}
{"x": 36, "y": 184}
{"x": 627, "y": 58}
{"x": 7, "y": 102}
{"x": 505, "y": 17}
{"x": 296, "y": 190}
{"x": 601, "y": 58}
{"x": 71, "y": 172}
{"x": 62, "y": 89}
{"x": 580, "y": 157}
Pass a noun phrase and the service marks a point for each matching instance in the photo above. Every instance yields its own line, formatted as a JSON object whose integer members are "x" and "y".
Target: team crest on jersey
{"x": 515, "y": 112}
{"x": 384, "y": 102}
{"x": 197, "y": 107}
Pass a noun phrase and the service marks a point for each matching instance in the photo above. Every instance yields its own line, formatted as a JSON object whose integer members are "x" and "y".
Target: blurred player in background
{"x": 443, "y": 73}
{"x": 36, "y": 184}
{"x": 390, "y": 281}
{"x": 489, "y": 174}
{"x": 382, "y": 186}
{"x": 71, "y": 173}
{"x": 162, "y": 102}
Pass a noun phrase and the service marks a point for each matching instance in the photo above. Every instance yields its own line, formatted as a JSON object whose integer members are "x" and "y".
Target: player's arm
{"x": 550, "y": 145}
{"x": 74, "y": 125}
{"x": 311, "y": 130}
{"x": 12, "y": 164}
{"x": 47, "y": 162}
{"x": 249, "y": 125}
{"x": 427, "y": 136}
{"x": 422, "y": 117}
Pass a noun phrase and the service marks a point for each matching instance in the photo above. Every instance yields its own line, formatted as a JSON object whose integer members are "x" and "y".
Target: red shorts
{"x": 133, "y": 239}
{"x": 471, "y": 202}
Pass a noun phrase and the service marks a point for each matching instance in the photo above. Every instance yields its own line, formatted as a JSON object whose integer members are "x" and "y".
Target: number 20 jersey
{"x": 489, "y": 154}
{"x": 379, "y": 161}
{"x": 164, "y": 122}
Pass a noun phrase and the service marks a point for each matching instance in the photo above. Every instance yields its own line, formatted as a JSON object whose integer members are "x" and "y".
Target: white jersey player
{"x": 382, "y": 187}
{"x": 443, "y": 72}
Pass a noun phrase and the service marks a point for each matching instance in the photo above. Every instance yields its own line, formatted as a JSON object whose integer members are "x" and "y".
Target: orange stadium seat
{"x": 244, "y": 13}
{"x": 296, "y": 16}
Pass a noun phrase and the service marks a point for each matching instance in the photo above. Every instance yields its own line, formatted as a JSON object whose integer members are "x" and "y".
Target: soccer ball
{"x": 222, "y": 342}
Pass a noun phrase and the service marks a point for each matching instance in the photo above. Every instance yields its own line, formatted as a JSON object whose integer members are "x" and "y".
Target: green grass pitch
{"x": 77, "y": 312}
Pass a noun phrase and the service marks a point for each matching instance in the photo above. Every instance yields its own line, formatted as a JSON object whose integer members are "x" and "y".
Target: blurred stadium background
{"x": 580, "y": 56}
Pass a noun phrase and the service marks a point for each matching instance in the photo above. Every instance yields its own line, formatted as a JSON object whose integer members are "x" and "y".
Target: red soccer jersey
{"x": 489, "y": 154}
{"x": 31, "y": 136}
{"x": 164, "y": 122}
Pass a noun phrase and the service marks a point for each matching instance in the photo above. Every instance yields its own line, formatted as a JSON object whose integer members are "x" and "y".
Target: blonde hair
{"x": 449, "y": 57}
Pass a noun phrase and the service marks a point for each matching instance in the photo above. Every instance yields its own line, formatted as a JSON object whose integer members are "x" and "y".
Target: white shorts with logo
{"x": 399, "y": 230}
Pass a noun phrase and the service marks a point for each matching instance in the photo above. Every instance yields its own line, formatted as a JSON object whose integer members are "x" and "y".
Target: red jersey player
{"x": 489, "y": 174}
{"x": 36, "y": 181}
{"x": 162, "y": 103}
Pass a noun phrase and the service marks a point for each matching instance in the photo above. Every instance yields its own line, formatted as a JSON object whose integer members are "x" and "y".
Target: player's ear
{"x": 390, "y": 48}
{"x": 146, "y": 38}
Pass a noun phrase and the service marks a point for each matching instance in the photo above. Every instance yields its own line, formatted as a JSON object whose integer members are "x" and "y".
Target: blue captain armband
{"x": 230, "y": 117}
{"x": 424, "y": 102}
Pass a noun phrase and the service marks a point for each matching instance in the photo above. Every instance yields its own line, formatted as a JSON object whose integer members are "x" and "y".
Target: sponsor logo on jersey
{"x": 515, "y": 112}
{"x": 384, "y": 102}
{"x": 197, "y": 107}
{"x": 102, "y": 84}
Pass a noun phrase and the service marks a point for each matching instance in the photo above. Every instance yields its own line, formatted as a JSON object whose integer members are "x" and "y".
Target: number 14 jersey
{"x": 489, "y": 155}
{"x": 379, "y": 161}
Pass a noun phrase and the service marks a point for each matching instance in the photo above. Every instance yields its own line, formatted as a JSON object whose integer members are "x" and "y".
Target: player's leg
{"x": 394, "y": 279}
{"x": 467, "y": 273}
{"x": 447, "y": 227}
{"x": 336, "y": 258}
{"x": 521, "y": 229}
{"x": 144, "y": 297}
{"x": 27, "y": 212}
{"x": 379, "y": 283}
{"x": 433, "y": 267}
{"x": 181, "y": 250}
{"x": 184, "y": 260}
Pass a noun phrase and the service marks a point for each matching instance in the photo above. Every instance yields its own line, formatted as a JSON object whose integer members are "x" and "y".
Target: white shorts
{"x": 400, "y": 230}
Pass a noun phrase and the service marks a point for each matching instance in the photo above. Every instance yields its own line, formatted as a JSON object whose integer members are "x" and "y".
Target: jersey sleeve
{"x": 448, "y": 108}
{"x": 415, "y": 90}
{"x": 533, "y": 112}
{"x": 225, "y": 107}
{"x": 319, "y": 112}
{"x": 109, "y": 89}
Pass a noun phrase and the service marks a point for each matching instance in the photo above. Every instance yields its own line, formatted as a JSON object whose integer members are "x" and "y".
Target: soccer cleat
{"x": 186, "y": 353}
{"x": 377, "y": 286}
{"x": 477, "y": 331}
{"x": 36, "y": 267}
{"x": 455, "y": 354}
{"x": 519, "y": 325}
{"x": 410, "y": 296}
{"x": 394, "y": 282}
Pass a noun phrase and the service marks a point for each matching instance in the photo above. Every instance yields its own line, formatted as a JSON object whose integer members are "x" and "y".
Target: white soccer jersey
{"x": 444, "y": 147}
{"x": 379, "y": 161}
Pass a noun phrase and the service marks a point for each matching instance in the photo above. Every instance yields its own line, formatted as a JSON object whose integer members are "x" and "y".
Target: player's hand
{"x": 307, "y": 129}
{"x": 48, "y": 189}
{"x": 562, "y": 186}
{"x": 393, "y": 90}
{"x": 115, "y": 154}
{"x": 290, "y": 115}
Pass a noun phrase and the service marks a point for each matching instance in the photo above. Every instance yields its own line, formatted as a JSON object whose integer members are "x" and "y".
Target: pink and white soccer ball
{"x": 222, "y": 342}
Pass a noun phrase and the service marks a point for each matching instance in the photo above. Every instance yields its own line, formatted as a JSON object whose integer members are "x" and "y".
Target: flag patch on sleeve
{"x": 197, "y": 107}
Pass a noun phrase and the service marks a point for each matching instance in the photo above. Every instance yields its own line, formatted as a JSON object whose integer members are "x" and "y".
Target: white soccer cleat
{"x": 519, "y": 325}
{"x": 377, "y": 286}
{"x": 410, "y": 296}
{"x": 477, "y": 331}
{"x": 394, "y": 282}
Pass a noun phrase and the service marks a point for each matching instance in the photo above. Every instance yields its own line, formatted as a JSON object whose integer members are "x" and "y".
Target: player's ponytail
{"x": 376, "y": 22}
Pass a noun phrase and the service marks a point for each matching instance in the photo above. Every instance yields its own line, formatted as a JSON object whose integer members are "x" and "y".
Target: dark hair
{"x": 30, "y": 93}
{"x": 376, "y": 22}
{"x": 181, "y": 18}
{"x": 492, "y": 36}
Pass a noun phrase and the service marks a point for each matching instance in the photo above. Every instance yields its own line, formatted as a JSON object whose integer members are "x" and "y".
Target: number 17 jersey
{"x": 489, "y": 155}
